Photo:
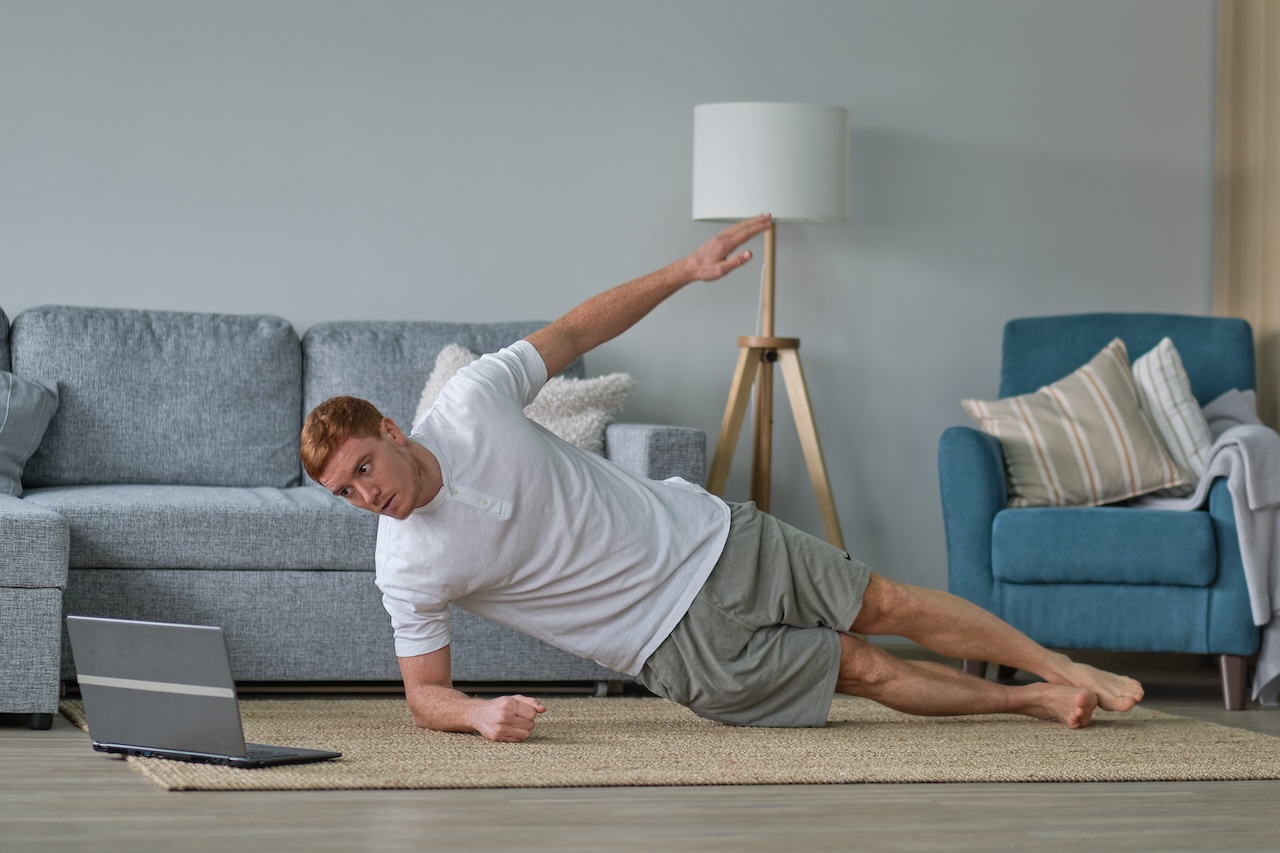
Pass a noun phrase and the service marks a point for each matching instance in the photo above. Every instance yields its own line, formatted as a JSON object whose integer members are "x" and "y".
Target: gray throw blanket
{"x": 1248, "y": 455}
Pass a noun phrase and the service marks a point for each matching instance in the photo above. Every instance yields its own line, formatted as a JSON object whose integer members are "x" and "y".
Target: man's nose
{"x": 367, "y": 494}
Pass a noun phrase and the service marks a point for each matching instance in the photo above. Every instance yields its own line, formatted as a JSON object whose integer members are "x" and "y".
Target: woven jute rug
{"x": 640, "y": 741}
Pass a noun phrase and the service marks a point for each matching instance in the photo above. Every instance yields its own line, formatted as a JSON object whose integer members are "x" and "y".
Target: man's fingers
{"x": 717, "y": 256}
{"x": 534, "y": 704}
{"x": 738, "y": 233}
{"x": 510, "y": 718}
{"x": 518, "y": 716}
{"x": 509, "y": 734}
{"x": 522, "y": 711}
{"x": 728, "y": 265}
{"x": 748, "y": 227}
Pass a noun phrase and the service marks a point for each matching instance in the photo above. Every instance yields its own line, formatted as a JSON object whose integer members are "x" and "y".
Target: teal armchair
{"x": 1114, "y": 577}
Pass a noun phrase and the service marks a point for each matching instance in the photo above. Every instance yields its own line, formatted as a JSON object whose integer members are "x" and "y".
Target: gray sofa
{"x": 167, "y": 487}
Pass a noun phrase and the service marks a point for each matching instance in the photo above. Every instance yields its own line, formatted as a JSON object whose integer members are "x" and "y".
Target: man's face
{"x": 378, "y": 474}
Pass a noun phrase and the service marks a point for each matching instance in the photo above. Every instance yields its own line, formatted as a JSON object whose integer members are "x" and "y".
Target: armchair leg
{"x": 1235, "y": 670}
{"x": 40, "y": 722}
{"x": 974, "y": 667}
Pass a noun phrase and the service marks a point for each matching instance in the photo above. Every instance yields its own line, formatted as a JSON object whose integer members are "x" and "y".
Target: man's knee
{"x": 886, "y": 606}
{"x": 862, "y": 666}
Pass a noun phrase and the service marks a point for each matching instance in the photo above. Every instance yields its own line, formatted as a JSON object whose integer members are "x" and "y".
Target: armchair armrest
{"x": 35, "y": 545}
{"x": 971, "y": 478}
{"x": 1229, "y": 596}
{"x": 658, "y": 452}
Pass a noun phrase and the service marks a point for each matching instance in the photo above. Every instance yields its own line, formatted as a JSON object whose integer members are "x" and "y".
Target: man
{"x": 719, "y": 607}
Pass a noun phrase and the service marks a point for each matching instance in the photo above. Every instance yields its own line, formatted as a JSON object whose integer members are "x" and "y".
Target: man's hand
{"x": 715, "y": 257}
{"x": 507, "y": 719}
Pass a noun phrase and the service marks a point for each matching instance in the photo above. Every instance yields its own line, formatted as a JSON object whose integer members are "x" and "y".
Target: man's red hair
{"x": 331, "y": 424}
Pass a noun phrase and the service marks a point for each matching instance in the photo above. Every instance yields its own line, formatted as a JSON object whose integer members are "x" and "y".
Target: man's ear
{"x": 391, "y": 431}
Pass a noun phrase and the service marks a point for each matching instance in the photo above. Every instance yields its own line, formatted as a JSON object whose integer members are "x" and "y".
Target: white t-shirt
{"x": 536, "y": 534}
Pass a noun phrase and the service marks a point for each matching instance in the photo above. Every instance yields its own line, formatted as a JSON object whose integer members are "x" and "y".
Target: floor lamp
{"x": 790, "y": 160}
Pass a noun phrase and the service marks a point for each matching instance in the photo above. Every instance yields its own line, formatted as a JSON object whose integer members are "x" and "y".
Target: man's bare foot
{"x": 1114, "y": 692}
{"x": 1071, "y": 706}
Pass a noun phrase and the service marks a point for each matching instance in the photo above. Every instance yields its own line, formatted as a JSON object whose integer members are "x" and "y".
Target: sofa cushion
{"x": 1121, "y": 545}
{"x": 205, "y": 527}
{"x": 387, "y": 363}
{"x": 1121, "y": 617}
{"x": 163, "y": 397}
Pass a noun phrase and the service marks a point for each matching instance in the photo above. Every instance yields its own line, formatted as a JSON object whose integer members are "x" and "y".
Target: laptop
{"x": 165, "y": 691}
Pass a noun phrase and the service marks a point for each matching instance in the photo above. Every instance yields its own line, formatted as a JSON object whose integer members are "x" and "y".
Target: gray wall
{"x": 503, "y": 160}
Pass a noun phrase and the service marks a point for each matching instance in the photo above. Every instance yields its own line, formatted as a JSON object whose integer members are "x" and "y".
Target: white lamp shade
{"x": 790, "y": 160}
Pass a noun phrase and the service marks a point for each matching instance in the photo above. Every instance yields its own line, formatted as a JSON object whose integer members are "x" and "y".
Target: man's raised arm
{"x": 609, "y": 314}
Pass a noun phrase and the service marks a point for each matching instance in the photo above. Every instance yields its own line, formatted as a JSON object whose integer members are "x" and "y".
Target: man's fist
{"x": 507, "y": 719}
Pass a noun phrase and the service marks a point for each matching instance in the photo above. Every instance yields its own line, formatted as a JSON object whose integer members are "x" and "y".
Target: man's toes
{"x": 1086, "y": 703}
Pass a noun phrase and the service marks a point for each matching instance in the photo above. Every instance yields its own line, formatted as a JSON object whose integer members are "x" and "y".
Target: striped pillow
{"x": 1164, "y": 392}
{"x": 1082, "y": 441}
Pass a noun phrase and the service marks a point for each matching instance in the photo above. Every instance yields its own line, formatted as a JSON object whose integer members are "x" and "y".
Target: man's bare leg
{"x": 930, "y": 689}
{"x": 951, "y": 626}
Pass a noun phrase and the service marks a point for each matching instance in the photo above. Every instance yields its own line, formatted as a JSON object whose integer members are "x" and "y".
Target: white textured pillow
{"x": 576, "y": 410}
{"x": 449, "y": 361}
{"x": 1164, "y": 392}
{"x": 1081, "y": 441}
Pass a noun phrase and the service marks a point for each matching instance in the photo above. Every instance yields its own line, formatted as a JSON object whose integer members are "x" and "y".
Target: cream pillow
{"x": 1164, "y": 392}
{"x": 1081, "y": 441}
{"x": 576, "y": 410}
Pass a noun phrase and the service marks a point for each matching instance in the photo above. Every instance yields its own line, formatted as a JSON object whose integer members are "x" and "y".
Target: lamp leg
{"x": 807, "y": 427}
{"x": 762, "y": 460}
{"x": 734, "y": 412}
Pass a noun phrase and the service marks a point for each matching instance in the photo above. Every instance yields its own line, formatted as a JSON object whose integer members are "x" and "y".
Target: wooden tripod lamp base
{"x": 756, "y": 358}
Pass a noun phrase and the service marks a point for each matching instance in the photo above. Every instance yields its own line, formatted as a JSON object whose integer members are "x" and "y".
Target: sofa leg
{"x": 40, "y": 722}
{"x": 1235, "y": 670}
{"x": 974, "y": 667}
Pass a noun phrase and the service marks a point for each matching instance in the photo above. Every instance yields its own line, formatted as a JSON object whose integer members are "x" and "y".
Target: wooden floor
{"x": 56, "y": 794}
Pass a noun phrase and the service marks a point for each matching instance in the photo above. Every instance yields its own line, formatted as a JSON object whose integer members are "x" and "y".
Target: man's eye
{"x": 344, "y": 493}
{"x": 364, "y": 469}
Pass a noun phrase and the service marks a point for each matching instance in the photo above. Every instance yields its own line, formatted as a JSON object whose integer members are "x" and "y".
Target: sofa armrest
{"x": 971, "y": 478}
{"x": 658, "y": 452}
{"x": 35, "y": 544}
{"x": 34, "y": 547}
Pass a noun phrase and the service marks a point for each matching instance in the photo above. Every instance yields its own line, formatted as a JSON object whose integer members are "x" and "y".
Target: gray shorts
{"x": 760, "y": 645}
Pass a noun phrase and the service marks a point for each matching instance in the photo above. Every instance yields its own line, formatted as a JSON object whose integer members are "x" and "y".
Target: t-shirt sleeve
{"x": 419, "y": 629}
{"x": 516, "y": 372}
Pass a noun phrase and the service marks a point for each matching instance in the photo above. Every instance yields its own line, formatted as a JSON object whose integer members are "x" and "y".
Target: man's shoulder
{"x": 520, "y": 355}
{"x": 513, "y": 374}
